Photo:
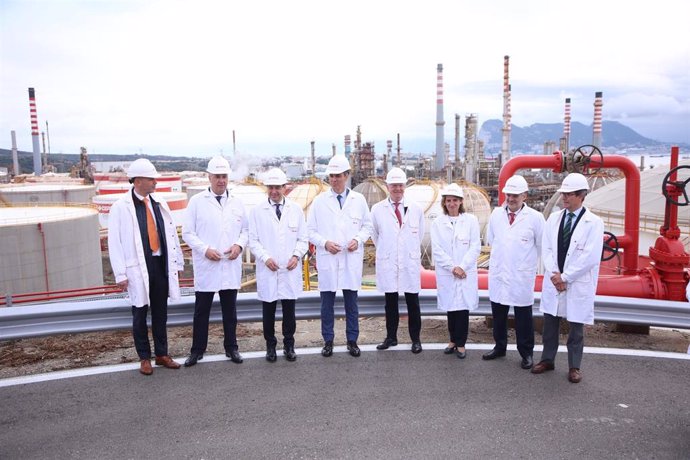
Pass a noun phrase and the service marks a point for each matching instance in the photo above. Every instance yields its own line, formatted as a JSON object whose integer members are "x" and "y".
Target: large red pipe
{"x": 629, "y": 241}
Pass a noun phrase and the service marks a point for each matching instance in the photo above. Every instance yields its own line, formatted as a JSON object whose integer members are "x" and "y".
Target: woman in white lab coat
{"x": 456, "y": 246}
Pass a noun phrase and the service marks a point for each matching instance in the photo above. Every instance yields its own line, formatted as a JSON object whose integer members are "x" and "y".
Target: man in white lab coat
{"x": 278, "y": 239}
{"x": 145, "y": 256}
{"x": 398, "y": 227}
{"x": 215, "y": 228}
{"x": 514, "y": 234}
{"x": 571, "y": 249}
{"x": 339, "y": 225}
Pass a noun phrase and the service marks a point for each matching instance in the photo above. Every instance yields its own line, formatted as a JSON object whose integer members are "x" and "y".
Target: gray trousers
{"x": 576, "y": 340}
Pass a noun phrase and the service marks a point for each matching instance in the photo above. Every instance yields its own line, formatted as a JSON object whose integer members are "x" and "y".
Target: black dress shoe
{"x": 234, "y": 356}
{"x": 327, "y": 349}
{"x": 193, "y": 358}
{"x": 271, "y": 354}
{"x": 386, "y": 344}
{"x": 449, "y": 350}
{"x": 461, "y": 354}
{"x": 290, "y": 354}
{"x": 493, "y": 354}
{"x": 353, "y": 348}
{"x": 527, "y": 362}
{"x": 416, "y": 347}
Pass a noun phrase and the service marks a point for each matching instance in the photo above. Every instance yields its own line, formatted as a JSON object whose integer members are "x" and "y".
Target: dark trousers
{"x": 202, "y": 311}
{"x": 576, "y": 340}
{"x": 289, "y": 324}
{"x": 458, "y": 326}
{"x": 524, "y": 328}
{"x": 328, "y": 315}
{"x": 158, "y": 302}
{"x": 414, "y": 317}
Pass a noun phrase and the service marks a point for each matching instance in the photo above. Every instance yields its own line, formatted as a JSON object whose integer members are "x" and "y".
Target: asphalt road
{"x": 389, "y": 404}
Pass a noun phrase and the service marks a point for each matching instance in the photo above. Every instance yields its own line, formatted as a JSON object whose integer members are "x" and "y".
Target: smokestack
{"x": 313, "y": 159}
{"x": 457, "y": 140}
{"x": 15, "y": 159}
{"x": 34, "y": 132}
{"x": 389, "y": 151}
{"x": 566, "y": 126}
{"x": 399, "y": 154}
{"x": 333, "y": 148}
{"x": 470, "y": 147}
{"x": 440, "y": 146}
{"x": 596, "y": 127}
{"x": 234, "y": 151}
{"x": 505, "y": 148}
{"x": 347, "y": 146}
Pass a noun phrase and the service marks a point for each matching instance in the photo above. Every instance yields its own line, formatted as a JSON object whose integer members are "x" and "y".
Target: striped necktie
{"x": 567, "y": 228}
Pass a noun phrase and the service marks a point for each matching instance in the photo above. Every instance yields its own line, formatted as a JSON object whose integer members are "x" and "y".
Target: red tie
{"x": 397, "y": 214}
{"x": 511, "y": 218}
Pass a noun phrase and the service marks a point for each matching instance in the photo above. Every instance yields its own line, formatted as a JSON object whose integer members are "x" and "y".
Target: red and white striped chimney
{"x": 596, "y": 126}
{"x": 34, "y": 132}
{"x": 566, "y": 125}
{"x": 505, "y": 148}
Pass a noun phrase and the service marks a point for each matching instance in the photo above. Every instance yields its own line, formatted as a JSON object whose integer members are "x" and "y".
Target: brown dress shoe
{"x": 542, "y": 366}
{"x": 166, "y": 361}
{"x": 574, "y": 375}
{"x": 145, "y": 367}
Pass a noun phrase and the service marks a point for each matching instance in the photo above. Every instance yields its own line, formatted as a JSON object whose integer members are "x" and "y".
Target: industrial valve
{"x": 674, "y": 188}
{"x": 586, "y": 159}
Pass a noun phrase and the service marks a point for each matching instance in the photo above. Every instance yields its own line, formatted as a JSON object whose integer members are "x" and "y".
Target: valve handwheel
{"x": 581, "y": 158}
{"x": 680, "y": 185}
{"x": 610, "y": 248}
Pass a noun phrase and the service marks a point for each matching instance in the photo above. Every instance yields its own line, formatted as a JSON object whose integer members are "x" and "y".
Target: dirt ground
{"x": 39, "y": 355}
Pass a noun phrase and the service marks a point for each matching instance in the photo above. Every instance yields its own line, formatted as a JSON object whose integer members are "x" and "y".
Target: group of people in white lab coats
{"x": 217, "y": 229}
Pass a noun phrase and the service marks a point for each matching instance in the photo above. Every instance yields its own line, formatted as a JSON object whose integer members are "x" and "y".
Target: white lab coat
{"x": 456, "y": 246}
{"x": 398, "y": 249}
{"x": 327, "y": 222}
{"x": 208, "y": 224}
{"x": 580, "y": 271}
{"x": 126, "y": 249}
{"x": 270, "y": 238}
{"x": 515, "y": 251}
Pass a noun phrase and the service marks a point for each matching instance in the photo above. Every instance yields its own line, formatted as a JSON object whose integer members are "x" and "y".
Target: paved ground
{"x": 382, "y": 405}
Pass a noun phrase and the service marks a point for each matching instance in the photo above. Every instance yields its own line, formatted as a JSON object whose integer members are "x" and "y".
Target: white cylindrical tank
{"x": 47, "y": 193}
{"x": 304, "y": 194}
{"x": 121, "y": 187}
{"x": 177, "y": 202}
{"x": 194, "y": 189}
{"x": 373, "y": 189}
{"x": 49, "y": 248}
{"x": 249, "y": 194}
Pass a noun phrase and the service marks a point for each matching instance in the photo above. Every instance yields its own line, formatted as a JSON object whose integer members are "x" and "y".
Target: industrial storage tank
{"x": 47, "y": 193}
{"x": 49, "y": 248}
{"x": 595, "y": 181}
{"x": 121, "y": 187}
{"x": 304, "y": 194}
{"x": 177, "y": 202}
{"x": 249, "y": 194}
{"x": 373, "y": 189}
{"x": 192, "y": 190}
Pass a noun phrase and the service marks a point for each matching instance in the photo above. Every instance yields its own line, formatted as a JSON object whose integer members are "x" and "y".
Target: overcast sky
{"x": 177, "y": 77}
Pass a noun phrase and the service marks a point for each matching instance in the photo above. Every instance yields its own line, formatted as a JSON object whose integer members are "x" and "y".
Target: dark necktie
{"x": 218, "y": 197}
{"x": 567, "y": 228}
{"x": 340, "y": 201}
{"x": 511, "y": 218}
{"x": 397, "y": 214}
{"x": 278, "y": 213}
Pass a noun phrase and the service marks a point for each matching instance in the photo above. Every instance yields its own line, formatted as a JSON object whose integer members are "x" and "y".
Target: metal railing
{"x": 113, "y": 314}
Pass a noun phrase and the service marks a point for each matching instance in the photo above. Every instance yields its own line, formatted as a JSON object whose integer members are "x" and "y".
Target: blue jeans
{"x": 328, "y": 317}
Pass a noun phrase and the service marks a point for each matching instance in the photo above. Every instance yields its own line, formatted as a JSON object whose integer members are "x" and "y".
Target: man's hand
{"x": 558, "y": 282}
{"x": 354, "y": 244}
{"x": 459, "y": 273}
{"x": 123, "y": 285}
{"x": 213, "y": 254}
{"x": 294, "y": 261}
{"x": 332, "y": 247}
{"x": 234, "y": 251}
{"x": 272, "y": 265}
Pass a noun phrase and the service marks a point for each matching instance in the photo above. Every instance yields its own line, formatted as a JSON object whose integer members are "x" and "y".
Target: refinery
{"x": 53, "y": 226}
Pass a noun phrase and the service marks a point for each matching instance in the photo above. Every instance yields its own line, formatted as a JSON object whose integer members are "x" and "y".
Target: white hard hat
{"x": 275, "y": 176}
{"x": 396, "y": 176}
{"x": 338, "y": 164}
{"x": 574, "y": 182}
{"x": 218, "y": 165}
{"x": 515, "y": 185}
{"x": 452, "y": 190}
{"x": 142, "y": 168}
